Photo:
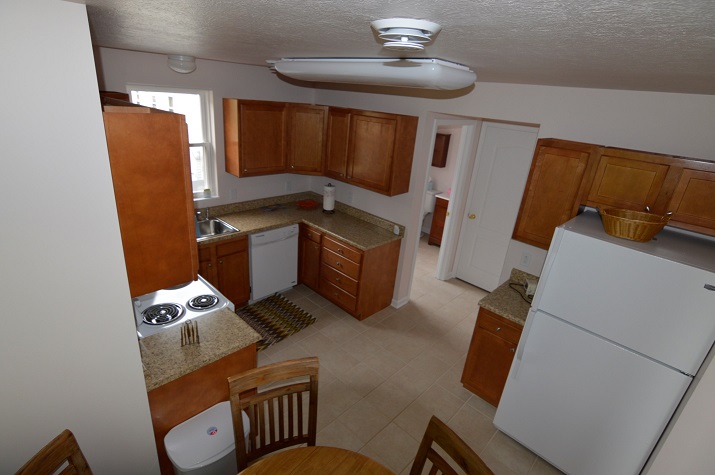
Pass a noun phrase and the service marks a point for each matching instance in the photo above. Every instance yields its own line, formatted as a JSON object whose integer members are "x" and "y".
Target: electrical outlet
{"x": 525, "y": 259}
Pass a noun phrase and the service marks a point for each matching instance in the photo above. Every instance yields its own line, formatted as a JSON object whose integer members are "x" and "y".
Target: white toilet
{"x": 428, "y": 204}
{"x": 204, "y": 444}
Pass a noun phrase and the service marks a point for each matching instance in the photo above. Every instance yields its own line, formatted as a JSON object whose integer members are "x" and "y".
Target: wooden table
{"x": 317, "y": 460}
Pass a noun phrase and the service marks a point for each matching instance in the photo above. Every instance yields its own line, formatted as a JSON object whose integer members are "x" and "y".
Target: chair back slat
{"x": 61, "y": 450}
{"x": 274, "y": 402}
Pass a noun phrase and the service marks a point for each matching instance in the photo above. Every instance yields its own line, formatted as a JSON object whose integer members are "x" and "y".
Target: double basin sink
{"x": 208, "y": 228}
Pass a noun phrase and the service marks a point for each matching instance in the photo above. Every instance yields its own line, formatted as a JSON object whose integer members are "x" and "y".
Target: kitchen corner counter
{"x": 355, "y": 227}
{"x": 221, "y": 334}
{"x": 509, "y": 302}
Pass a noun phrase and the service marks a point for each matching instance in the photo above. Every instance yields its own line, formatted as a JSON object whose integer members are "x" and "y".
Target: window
{"x": 196, "y": 106}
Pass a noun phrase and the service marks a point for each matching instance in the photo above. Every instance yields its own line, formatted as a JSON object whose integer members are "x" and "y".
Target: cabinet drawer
{"x": 339, "y": 279}
{"x": 338, "y": 295}
{"x": 494, "y": 324}
{"x": 340, "y": 263}
{"x": 310, "y": 233}
{"x": 231, "y": 247}
{"x": 343, "y": 250}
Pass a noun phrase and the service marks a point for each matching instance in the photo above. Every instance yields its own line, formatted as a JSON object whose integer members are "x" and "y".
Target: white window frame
{"x": 207, "y": 111}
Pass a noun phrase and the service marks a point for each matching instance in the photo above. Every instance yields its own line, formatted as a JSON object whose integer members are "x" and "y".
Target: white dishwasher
{"x": 273, "y": 260}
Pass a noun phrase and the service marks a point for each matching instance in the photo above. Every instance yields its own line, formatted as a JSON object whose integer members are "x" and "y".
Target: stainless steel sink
{"x": 208, "y": 228}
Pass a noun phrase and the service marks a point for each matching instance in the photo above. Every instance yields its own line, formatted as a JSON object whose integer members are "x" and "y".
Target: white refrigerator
{"x": 615, "y": 334}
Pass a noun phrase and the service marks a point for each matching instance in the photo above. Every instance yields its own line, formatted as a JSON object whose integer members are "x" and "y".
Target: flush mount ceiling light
{"x": 410, "y": 72}
{"x": 182, "y": 64}
{"x": 405, "y": 34}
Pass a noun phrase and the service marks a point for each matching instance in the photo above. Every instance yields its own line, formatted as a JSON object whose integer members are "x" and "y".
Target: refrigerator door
{"x": 655, "y": 306}
{"x": 584, "y": 404}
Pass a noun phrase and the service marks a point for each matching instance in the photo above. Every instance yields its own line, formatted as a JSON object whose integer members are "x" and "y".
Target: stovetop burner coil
{"x": 163, "y": 313}
{"x": 203, "y": 302}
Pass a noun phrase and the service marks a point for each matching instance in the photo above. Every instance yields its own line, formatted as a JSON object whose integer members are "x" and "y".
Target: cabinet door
{"x": 309, "y": 257}
{"x": 490, "y": 356}
{"x": 233, "y": 273}
{"x": 372, "y": 150}
{"x": 438, "y": 220}
{"x": 553, "y": 190}
{"x": 254, "y": 135}
{"x": 149, "y": 158}
{"x": 693, "y": 198}
{"x": 306, "y": 138}
{"x": 336, "y": 158}
{"x": 628, "y": 179}
{"x": 207, "y": 264}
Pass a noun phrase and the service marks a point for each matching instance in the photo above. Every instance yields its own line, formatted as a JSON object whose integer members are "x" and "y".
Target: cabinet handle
{"x": 498, "y": 329}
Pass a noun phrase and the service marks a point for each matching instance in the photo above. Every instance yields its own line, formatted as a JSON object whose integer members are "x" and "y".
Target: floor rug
{"x": 274, "y": 318}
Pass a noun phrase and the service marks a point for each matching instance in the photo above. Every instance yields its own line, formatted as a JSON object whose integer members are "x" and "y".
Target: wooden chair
{"x": 448, "y": 440}
{"x": 62, "y": 449}
{"x": 280, "y": 415}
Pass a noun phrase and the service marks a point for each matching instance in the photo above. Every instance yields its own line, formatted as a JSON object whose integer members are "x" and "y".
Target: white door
{"x": 502, "y": 167}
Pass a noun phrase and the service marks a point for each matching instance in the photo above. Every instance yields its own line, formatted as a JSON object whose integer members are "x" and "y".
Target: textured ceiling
{"x": 650, "y": 45}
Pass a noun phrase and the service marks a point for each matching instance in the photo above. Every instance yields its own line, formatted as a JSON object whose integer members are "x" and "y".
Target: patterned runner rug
{"x": 275, "y": 318}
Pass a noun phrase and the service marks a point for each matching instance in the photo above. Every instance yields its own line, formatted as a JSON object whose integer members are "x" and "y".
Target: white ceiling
{"x": 651, "y": 45}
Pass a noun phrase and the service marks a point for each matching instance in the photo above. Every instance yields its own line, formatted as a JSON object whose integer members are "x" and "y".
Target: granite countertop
{"x": 221, "y": 333}
{"x": 355, "y": 227}
{"x": 510, "y": 302}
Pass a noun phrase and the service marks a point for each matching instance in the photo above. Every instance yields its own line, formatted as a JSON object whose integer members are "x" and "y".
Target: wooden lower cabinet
{"x": 439, "y": 216}
{"x": 225, "y": 265}
{"x": 360, "y": 282}
{"x": 183, "y": 398}
{"x": 309, "y": 256}
{"x": 491, "y": 352}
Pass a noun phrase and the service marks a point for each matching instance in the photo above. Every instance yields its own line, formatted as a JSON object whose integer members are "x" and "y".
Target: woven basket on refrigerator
{"x": 633, "y": 225}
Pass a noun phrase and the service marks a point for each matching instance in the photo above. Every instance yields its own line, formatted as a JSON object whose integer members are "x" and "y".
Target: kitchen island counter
{"x": 221, "y": 333}
{"x": 355, "y": 227}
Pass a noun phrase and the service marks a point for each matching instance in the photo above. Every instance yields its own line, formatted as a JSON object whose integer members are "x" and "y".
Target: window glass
{"x": 195, "y": 106}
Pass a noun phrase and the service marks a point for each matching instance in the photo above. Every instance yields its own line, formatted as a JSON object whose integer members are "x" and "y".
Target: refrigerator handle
{"x": 522, "y": 342}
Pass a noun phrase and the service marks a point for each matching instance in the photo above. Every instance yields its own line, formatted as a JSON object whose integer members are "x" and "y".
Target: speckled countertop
{"x": 509, "y": 302}
{"x": 221, "y": 333}
{"x": 355, "y": 227}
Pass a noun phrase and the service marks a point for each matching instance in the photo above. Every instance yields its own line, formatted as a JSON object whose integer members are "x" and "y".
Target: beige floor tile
{"x": 391, "y": 399}
{"x": 336, "y": 434}
{"x": 362, "y": 378}
{"x": 511, "y": 454}
{"x": 542, "y": 467}
{"x": 364, "y": 420}
{"x": 474, "y": 427}
{"x": 392, "y": 447}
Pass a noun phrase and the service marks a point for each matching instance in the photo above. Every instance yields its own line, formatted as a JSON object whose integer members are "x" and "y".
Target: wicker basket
{"x": 633, "y": 225}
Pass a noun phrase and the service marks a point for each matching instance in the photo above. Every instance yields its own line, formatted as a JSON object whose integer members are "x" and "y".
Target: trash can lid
{"x": 203, "y": 439}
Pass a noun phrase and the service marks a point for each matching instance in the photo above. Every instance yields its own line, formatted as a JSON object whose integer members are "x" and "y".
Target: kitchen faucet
{"x": 198, "y": 215}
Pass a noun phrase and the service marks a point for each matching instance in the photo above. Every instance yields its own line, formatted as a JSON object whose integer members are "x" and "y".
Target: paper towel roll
{"x": 328, "y": 198}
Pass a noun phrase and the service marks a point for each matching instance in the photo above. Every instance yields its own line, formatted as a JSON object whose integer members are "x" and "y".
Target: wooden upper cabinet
{"x": 307, "y": 132}
{"x": 693, "y": 197}
{"x": 372, "y": 150}
{"x": 149, "y": 159}
{"x": 553, "y": 190}
{"x": 628, "y": 179}
{"x": 255, "y": 137}
{"x": 336, "y": 158}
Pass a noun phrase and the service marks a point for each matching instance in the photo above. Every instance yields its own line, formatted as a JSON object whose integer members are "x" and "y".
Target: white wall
{"x": 68, "y": 349}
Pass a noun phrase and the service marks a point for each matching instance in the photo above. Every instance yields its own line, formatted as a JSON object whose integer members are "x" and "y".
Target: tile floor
{"x": 381, "y": 379}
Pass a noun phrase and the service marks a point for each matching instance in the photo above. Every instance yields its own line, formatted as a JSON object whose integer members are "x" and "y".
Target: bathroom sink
{"x": 212, "y": 227}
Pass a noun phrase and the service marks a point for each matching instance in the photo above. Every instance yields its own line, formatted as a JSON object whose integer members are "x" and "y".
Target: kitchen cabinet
{"x": 438, "y": 219}
{"x": 360, "y": 282}
{"x": 309, "y": 256}
{"x": 255, "y": 137}
{"x": 490, "y": 355}
{"x": 629, "y": 179}
{"x": 441, "y": 149}
{"x": 225, "y": 265}
{"x": 149, "y": 158}
{"x": 553, "y": 190}
{"x": 372, "y": 150}
{"x": 693, "y": 196}
{"x": 306, "y": 138}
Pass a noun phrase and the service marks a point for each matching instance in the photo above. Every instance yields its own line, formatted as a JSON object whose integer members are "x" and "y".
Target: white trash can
{"x": 204, "y": 444}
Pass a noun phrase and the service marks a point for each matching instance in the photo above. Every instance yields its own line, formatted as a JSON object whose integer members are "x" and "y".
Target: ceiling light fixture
{"x": 182, "y": 64}
{"x": 411, "y": 72}
{"x": 405, "y": 34}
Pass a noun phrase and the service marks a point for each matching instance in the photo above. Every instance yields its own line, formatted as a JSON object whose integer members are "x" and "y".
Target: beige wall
{"x": 68, "y": 349}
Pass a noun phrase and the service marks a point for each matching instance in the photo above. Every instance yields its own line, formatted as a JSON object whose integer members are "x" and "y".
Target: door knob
{"x": 472, "y": 216}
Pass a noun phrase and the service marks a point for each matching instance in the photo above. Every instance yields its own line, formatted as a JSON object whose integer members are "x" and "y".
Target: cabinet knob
{"x": 498, "y": 329}
{"x": 210, "y": 265}
{"x": 338, "y": 264}
{"x": 512, "y": 350}
{"x": 220, "y": 262}
{"x": 337, "y": 279}
{"x": 340, "y": 251}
